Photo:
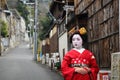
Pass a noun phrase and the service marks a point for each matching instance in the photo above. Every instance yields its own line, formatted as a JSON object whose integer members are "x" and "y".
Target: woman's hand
{"x": 81, "y": 70}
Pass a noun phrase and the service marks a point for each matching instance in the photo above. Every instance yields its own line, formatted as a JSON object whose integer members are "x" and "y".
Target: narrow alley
{"x": 18, "y": 64}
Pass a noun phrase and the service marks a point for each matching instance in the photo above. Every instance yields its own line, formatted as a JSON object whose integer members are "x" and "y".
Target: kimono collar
{"x": 80, "y": 51}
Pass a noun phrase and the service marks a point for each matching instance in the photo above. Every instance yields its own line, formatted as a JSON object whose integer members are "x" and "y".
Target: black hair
{"x": 84, "y": 37}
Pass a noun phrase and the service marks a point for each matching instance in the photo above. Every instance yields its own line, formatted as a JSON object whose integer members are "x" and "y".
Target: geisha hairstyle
{"x": 83, "y": 36}
{"x": 75, "y": 32}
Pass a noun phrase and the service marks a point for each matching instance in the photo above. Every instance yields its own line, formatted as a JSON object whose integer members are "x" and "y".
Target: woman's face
{"x": 77, "y": 41}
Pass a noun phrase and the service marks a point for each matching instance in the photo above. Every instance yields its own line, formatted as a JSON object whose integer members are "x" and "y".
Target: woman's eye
{"x": 78, "y": 39}
{"x": 73, "y": 39}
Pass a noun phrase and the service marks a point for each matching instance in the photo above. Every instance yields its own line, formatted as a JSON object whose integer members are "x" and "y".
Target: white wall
{"x": 63, "y": 43}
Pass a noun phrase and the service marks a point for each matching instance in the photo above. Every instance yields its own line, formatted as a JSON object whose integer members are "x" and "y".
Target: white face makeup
{"x": 77, "y": 41}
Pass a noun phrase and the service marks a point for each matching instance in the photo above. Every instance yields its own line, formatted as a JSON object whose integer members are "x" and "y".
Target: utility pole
{"x": 35, "y": 31}
{"x": 0, "y": 40}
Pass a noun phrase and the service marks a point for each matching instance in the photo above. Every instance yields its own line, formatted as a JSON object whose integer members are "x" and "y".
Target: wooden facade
{"x": 102, "y": 24}
{"x": 45, "y": 46}
{"x": 56, "y": 11}
{"x": 54, "y": 40}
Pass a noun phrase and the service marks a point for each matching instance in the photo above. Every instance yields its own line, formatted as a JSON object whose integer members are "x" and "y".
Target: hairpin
{"x": 82, "y": 30}
{"x": 72, "y": 30}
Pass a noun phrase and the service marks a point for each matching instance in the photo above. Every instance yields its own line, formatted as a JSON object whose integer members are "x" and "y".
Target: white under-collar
{"x": 80, "y": 51}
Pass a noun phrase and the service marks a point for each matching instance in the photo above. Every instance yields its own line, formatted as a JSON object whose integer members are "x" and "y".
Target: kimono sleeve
{"x": 94, "y": 67}
{"x": 67, "y": 71}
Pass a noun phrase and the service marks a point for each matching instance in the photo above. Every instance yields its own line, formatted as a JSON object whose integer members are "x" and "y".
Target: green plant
{"x": 45, "y": 22}
{"x": 22, "y": 8}
{"x": 4, "y": 28}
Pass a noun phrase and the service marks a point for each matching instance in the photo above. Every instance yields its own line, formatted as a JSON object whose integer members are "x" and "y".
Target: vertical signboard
{"x": 115, "y": 66}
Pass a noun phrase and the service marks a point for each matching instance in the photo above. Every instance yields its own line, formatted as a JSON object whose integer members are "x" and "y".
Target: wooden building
{"x": 56, "y": 11}
{"x": 100, "y": 18}
{"x": 45, "y": 46}
{"x": 54, "y": 39}
{"x": 59, "y": 9}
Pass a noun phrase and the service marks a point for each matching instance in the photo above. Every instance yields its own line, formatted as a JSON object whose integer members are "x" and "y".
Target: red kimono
{"x": 74, "y": 59}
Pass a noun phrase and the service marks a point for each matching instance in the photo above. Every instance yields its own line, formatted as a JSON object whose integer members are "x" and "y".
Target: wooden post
{"x": 119, "y": 26}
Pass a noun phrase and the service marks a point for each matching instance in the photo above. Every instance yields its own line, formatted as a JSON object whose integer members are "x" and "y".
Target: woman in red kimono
{"x": 79, "y": 63}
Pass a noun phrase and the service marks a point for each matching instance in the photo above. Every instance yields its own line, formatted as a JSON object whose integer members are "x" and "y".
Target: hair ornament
{"x": 82, "y": 30}
{"x": 72, "y": 30}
